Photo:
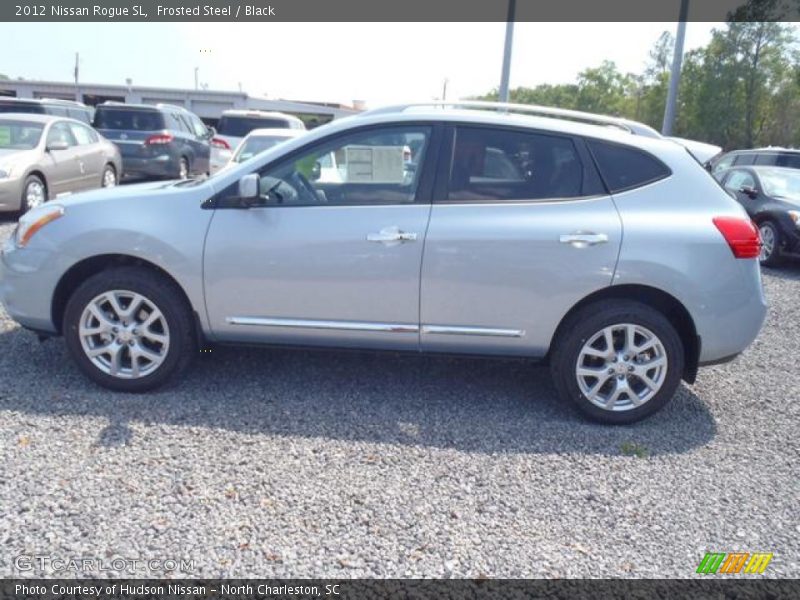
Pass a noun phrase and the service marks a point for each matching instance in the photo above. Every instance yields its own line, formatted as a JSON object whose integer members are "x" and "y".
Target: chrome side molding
{"x": 480, "y": 331}
{"x": 320, "y": 324}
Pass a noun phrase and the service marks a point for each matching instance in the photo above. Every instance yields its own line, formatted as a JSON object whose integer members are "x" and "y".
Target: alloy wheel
{"x": 767, "y": 242}
{"x": 34, "y": 194}
{"x": 124, "y": 334}
{"x": 109, "y": 178}
{"x": 621, "y": 367}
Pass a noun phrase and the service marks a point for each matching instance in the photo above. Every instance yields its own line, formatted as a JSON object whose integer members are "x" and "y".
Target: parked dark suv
{"x": 47, "y": 106}
{"x": 767, "y": 157}
{"x": 156, "y": 140}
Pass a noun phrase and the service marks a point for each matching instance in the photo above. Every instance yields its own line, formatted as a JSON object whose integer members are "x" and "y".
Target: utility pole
{"x": 444, "y": 89}
{"x": 196, "y": 80}
{"x": 76, "y": 74}
{"x": 675, "y": 75}
{"x": 512, "y": 6}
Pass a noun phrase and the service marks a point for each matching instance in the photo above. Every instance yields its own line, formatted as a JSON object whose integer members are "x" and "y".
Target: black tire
{"x": 774, "y": 258}
{"x": 165, "y": 295}
{"x": 109, "y": 168}
{"x": 31, "y": 180}
{"x": 590, "y": 320}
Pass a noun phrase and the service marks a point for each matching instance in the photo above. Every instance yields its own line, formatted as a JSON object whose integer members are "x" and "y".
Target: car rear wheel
{"x": 129, "y": 329}
{"x": 34, "y": 193}
{"x": 619, "y": 363}
{"x": 770, "y": 255}
{"x": 109, "y": 178}
{"x": 183, "y": 169}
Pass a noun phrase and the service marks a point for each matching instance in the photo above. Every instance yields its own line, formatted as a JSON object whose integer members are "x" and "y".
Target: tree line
{"x": 741, "y": 90}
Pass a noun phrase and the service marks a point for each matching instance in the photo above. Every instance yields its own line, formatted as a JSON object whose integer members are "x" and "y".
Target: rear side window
{"x": 499, "y": 164}
{"x": 624, "y": 168}
{"x": 128, "y": 119}
{"x": 791, "y": 161}
{"x": 240, "y": 126}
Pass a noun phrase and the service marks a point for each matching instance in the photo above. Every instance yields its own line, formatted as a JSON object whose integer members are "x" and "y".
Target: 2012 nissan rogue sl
{"x": 590, "y": 242}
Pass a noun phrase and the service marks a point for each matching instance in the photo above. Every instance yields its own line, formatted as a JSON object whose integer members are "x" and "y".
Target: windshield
{"x": 20, "y": 135}
{"x": 256, "y": 144}
{"x": 237, "y": 126}
{"x": 128, "y": 119}
{"x": 781, "y": 184}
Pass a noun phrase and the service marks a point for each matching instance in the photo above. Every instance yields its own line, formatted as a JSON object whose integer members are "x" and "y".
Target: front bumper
{"x": 11, "y": 193}
{"x": 28, "y": 280}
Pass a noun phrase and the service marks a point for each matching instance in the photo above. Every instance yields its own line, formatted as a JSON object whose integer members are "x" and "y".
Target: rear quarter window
{"x": 624, "y": 168}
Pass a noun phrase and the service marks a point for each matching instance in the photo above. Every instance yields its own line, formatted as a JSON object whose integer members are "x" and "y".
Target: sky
{"x": 379, "y": 63}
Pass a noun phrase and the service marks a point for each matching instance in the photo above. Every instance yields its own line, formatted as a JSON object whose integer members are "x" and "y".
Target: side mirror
{"x": 249, "y": 188}
{"x": 57, "y": 145}
{"x": 749, "y": 190}
{"x": 210, "y": 132}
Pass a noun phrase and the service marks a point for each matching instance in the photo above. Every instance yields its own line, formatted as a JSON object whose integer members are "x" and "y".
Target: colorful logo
{"x": 734, "y": 562}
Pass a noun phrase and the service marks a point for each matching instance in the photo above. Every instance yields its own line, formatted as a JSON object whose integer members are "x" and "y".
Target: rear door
{"x": 521, "y": 229}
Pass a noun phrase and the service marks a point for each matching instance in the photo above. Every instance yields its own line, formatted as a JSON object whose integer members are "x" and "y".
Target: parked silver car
{"x": 43, "y": 157}
{"x": 607, "y": 251}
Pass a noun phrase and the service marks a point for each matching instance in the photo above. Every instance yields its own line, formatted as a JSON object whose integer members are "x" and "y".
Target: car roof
{"x": 37, "y": 118}
{"x": 774, "y": 149}
{"x": 262, "y": 114}
{"x": 59, "y": 101}
{"x": 277, "y": 131}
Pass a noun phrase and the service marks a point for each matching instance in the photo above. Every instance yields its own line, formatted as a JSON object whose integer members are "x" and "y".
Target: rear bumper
{"x": 158, "y": 166}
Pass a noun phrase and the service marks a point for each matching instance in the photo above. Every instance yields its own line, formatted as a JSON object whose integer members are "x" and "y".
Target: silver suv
{"x": 588, "y": 242}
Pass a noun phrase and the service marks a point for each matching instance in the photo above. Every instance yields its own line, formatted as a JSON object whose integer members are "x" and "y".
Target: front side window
{"x": 83, "y": 135}
{"x": 380, "y": 166}
{"x": 624, "y": 167}
{"x": 739, "y": 179}
{"x": 498, "y": 164}
{"x": 745, "y": 159}
{"x": 61, "y": 133}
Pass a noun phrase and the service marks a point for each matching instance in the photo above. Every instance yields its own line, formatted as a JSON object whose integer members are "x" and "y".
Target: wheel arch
{"x": 667, "y": 304}
{"x": 82, "y": 270}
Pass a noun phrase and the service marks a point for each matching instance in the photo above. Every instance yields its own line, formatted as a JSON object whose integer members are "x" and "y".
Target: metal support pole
{"x": 675, "y": 75}
{"x": 507, "y": 51}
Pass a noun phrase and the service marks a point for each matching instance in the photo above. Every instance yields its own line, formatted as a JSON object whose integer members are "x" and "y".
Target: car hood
{"x": 8, "y": 155}
{"x": 116, "y": 193}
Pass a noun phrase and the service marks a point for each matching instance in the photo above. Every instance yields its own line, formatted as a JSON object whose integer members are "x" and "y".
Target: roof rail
{"x": 544, "y": 111}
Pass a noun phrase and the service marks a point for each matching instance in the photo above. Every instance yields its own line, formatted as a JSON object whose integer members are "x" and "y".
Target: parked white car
{"x": 259, "y": 140}
{"x": 235, "y": 125}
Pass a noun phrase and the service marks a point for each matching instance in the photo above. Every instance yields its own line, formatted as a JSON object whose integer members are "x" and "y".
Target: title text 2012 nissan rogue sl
{"x": 597, "y": 245}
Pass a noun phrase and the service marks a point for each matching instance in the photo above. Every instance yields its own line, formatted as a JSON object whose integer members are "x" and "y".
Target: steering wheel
{"x": 305, "y": 185}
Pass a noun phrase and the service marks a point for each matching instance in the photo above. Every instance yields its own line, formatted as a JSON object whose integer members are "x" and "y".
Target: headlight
{"x": 794, "y": 215}
{"x": 34, "y": 220}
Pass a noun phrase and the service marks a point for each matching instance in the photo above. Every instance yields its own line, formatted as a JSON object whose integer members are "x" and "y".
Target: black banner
{"x": 395, "y": 10}
{"x": 307, "y": 589}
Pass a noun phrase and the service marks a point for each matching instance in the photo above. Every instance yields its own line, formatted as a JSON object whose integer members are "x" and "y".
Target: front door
{"x": 332, "y": 253}
{"x": 63, "y": 166}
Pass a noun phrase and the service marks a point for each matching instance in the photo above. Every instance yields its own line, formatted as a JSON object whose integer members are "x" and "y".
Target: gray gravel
{"x": 274, "y": 463}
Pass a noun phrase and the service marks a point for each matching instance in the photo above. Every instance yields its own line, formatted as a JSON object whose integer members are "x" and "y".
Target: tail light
{"x": 220, "y": 143}
{"x": 159, "y": 138}
{"x": 741, "y": 235}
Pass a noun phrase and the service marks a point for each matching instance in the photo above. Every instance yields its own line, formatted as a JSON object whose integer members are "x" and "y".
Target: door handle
{"x": 582, "y": 239}
{"x": 392, "y": 236}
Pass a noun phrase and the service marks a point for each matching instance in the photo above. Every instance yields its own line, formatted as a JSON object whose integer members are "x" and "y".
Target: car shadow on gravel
{"x": 470, "y": 405}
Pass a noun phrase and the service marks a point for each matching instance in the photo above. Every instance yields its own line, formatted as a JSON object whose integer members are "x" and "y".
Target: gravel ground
{"x": 273, "y": 463}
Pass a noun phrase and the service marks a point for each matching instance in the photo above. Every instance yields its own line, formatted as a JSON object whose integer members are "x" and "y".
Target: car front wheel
{"x": 129, "y": 329}
{"x": 618, "y": 363}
